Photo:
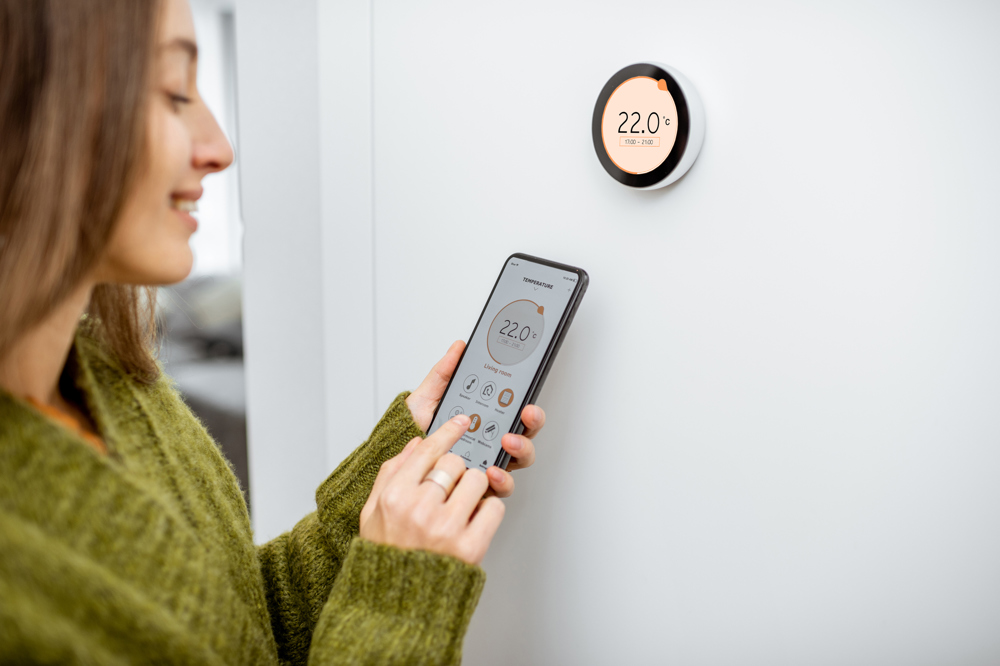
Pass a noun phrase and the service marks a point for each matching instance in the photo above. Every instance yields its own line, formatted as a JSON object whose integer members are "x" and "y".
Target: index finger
{"x": 427, "y": 452}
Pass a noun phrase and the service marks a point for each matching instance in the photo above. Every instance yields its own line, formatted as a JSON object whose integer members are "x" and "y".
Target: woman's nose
{"x": 212, "y": 150}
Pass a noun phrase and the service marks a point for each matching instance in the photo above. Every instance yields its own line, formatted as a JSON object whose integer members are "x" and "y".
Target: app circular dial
{"x": 516, "y": 331}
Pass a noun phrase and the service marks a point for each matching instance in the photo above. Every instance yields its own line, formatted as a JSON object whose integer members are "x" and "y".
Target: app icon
{"x": 490, "y": 431}
{"x": 456, "y": 411}
{"x": 470, "y": 383}
{"x": 506, "y": 397}
{"x": 489, "y": 388}
{"x": 476, "y": 422}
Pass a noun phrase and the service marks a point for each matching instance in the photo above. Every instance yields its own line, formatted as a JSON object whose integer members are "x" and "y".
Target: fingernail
{"x": 515, "y": 444}
{"x": 496, "y": 474}
{"x": 462, "y": 420}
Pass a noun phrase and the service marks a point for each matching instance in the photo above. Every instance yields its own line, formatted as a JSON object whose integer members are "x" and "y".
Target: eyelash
{"x": 176, "y": 100}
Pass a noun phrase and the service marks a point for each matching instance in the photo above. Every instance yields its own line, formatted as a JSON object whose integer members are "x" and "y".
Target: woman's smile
{"x": 185, "y": 203}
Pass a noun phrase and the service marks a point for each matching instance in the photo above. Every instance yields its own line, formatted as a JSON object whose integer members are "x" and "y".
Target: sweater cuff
{"x": 404, "y": 602}
{"x": 393, "y": 431}
{"x": 352, "y": 481}
{"x": 396, "y": 427}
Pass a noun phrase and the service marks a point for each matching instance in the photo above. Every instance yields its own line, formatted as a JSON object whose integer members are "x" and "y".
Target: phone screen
{"x": 504, "y": 355}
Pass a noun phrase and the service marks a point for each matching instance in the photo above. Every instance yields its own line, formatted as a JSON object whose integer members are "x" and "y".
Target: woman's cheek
{"x": 160, "y": 252}
{"x": 180, "y": 176}
{"x": 170, "y": 150}
{"x": 178, "y": 153}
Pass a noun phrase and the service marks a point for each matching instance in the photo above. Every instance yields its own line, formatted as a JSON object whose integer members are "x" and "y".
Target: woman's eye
{"x": 177, "y": 100}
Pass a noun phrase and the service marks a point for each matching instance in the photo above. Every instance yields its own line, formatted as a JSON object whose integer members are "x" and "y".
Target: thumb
{"x": 436, "y": 381}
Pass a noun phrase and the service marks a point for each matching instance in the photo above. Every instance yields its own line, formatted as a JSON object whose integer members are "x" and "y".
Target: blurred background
{"x": 773, "y": 432}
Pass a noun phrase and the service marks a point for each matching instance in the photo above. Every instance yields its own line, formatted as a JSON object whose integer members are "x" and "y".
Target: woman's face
{"x": 149, "y": 245}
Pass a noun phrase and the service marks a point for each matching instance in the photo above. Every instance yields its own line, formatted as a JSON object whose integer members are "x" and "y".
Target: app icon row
{"x": 489, "y": 432}
{"x": 488, "y": 390}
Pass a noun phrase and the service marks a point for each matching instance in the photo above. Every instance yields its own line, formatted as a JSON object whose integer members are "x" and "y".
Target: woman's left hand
{"x": 425, "y": 399}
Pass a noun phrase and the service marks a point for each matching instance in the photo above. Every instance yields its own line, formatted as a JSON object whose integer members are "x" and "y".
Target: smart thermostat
{"x": 648, "y": 126}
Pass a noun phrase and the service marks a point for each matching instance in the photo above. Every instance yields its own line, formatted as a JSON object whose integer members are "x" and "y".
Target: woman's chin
{"x": 177, "y": 271}
{"x": 162, "y": 269}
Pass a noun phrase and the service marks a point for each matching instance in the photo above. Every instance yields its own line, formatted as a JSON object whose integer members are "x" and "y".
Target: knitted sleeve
{"x": 335, "y": 598}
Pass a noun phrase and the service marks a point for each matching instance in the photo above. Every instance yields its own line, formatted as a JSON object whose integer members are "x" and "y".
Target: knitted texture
{"x": 146, "y": 554}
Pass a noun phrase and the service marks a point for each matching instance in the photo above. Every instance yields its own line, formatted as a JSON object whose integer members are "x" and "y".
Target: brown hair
{"x": 74, "y": 80}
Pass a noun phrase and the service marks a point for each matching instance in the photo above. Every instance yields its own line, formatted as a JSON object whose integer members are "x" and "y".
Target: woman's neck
{"x": 35, "y": 361}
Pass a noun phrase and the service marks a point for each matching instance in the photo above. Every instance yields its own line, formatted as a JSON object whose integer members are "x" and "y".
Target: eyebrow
{"x": 184, "y": 44}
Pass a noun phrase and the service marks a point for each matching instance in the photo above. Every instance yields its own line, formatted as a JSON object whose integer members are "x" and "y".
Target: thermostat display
{"x": 648, "y": 125}
{"x": 640, "y": 124}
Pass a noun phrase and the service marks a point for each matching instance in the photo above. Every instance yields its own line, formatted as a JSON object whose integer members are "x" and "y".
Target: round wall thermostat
{"x": 648, "y": 126}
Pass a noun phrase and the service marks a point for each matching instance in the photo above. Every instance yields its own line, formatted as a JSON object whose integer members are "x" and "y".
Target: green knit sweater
{"x": 146, "y": 554}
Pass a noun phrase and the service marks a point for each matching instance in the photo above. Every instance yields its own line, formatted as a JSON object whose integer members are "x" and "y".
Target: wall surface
{"x": 283, "y": 314}
{"x": 773, "y": 435}
{"x": 308, "y": 277}
{"x": 773, "y": 430}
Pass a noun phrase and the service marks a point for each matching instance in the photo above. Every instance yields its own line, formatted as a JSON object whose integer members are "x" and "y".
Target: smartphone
{"x": 509, "y": 354}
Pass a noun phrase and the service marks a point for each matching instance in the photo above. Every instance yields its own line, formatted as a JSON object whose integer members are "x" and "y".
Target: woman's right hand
{"x": 406, "y": 511}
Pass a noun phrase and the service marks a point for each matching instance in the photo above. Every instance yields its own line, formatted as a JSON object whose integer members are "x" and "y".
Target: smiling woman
{"x": 134, "y": 152}
{"x": 184, "y": 145}
{"x": 124, "y": 536}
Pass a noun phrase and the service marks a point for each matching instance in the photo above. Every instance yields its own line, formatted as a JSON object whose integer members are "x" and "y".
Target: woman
{"x": 123, "y": 533}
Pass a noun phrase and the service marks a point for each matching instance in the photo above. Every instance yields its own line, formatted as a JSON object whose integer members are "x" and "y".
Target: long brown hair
{"x": 74, "y": 80}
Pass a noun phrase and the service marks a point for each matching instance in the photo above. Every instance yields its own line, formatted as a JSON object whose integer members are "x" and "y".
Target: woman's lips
{"x": 184, "y": 206}
{"x": 188, "y": 219}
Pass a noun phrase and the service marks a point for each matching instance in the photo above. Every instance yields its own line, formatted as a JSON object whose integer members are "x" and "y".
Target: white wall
{"x": 773, "y": 430}
{"x": 306, "y": 188}
{"x": 773, "y": 434}
{"x": 277, "y": 71}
